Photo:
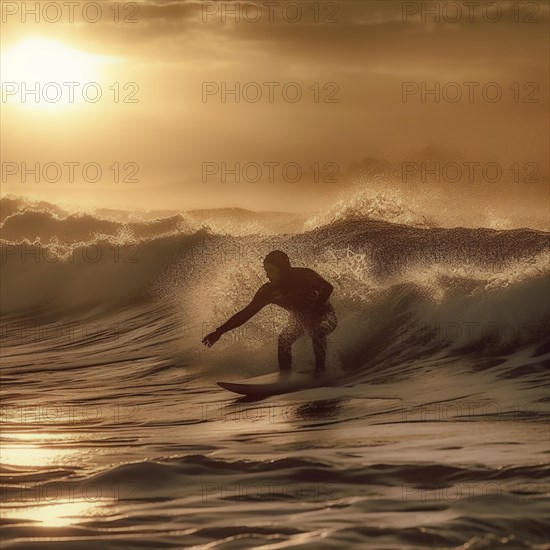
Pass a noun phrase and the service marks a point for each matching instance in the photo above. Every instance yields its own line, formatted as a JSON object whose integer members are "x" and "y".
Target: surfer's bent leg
{"x": 319, "y": 338}
{"x": 287, "y": 337}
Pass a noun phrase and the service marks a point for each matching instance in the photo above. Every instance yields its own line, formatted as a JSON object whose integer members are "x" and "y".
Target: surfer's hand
{"x": 211, "y": 339}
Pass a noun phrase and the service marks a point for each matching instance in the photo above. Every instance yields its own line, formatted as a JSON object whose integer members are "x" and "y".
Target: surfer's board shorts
{"x": 321, "y": 324}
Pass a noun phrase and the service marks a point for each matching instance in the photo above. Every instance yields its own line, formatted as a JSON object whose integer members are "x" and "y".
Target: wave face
{"x": 460, "y": 287}
{"x": 434, "y": 436}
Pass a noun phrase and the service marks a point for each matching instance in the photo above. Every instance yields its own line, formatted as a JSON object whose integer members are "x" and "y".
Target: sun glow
{"x": 47, "y": 74}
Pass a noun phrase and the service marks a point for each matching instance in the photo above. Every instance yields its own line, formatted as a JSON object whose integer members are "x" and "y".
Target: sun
{"x": 47, "y": 74}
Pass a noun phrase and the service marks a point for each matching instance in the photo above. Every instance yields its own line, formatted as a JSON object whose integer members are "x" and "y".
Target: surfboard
{"x": 277, "y": 383}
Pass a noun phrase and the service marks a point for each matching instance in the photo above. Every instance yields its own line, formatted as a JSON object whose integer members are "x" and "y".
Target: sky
{"x": 380, "y": 82}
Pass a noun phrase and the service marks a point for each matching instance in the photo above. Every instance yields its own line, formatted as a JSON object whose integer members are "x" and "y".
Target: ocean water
{"x": 115, "y": 434}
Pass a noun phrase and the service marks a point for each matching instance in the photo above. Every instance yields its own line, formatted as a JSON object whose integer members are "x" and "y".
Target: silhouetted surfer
{"x": 304, "y": 294}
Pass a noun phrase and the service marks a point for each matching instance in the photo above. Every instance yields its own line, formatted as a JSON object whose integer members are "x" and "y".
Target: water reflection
{"x": 34, "y": 489}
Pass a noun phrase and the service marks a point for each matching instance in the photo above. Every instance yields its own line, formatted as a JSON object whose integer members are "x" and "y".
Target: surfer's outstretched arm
{"x": 240, "y": 318}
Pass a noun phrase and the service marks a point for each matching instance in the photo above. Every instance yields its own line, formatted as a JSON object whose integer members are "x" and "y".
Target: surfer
{"x": 300, "y": 291}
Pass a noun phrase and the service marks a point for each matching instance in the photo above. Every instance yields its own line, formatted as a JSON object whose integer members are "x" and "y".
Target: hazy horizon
{"x": 352, "y": 107}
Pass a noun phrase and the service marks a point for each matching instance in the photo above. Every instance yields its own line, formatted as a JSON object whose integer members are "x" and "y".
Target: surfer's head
{"x": 275, "y": 264}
